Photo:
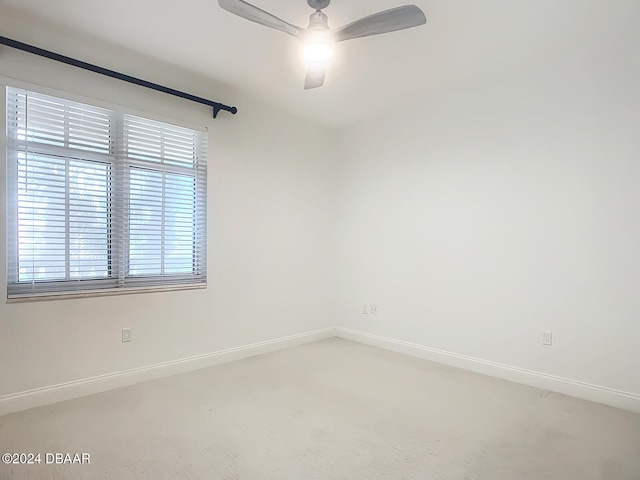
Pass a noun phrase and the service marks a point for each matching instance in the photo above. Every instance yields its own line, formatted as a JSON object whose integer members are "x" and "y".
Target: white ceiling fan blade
{"x": 315, "y": 77}
{"x": 392, "y": 20}
{"x": 255, "y": 14}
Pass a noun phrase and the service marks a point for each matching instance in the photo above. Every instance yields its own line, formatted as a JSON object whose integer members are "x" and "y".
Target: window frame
{"x": 114, "y": 284}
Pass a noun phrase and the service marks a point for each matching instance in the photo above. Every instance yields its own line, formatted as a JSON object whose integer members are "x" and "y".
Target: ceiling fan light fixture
{"x": 317, "y": 52}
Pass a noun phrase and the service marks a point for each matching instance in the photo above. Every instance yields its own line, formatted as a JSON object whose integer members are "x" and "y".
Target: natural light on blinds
{"x": 100, "y": 200}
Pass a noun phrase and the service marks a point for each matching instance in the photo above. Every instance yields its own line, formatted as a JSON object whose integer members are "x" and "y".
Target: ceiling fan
{"x": 319, "y": 39}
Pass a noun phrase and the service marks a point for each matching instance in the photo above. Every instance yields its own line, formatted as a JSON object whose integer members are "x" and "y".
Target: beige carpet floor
{"x": 328, "y": 410}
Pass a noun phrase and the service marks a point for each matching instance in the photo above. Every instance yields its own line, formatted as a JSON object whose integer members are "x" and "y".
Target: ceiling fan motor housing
{"x": 318, "y": 21}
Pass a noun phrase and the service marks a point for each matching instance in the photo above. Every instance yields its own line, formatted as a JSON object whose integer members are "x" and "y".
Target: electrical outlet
{"x": 546, "y": 338}
{"x": 373, "y": 309}
{"x": 126, "y": 335}
{"x": 365, "y": 309}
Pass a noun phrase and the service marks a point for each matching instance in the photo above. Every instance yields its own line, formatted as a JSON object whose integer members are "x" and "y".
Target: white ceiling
{"x": 462, "y": 39}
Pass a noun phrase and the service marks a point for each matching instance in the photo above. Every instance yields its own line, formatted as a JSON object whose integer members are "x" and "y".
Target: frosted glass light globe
{"x": 317, "y": 52}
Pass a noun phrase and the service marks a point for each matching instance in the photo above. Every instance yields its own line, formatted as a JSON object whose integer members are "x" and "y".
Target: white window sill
{"x": 102, "y": 293}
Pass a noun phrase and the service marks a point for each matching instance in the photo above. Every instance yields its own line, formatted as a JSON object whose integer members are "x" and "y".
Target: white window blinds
{"x": 100, "y": 200}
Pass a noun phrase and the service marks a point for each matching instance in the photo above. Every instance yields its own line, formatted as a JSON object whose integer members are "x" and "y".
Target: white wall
{"x": 271, "y": 224}
{"x": 503, "y": 207}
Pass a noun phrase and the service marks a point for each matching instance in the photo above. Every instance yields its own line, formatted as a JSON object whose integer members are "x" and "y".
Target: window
{"x": 100, "y": 200}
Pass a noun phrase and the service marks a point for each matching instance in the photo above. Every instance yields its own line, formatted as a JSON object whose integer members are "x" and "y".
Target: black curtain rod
{"x": 120, "y": 76}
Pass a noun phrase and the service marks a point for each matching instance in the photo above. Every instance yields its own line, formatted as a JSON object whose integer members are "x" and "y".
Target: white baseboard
{"x": 594, "y": 393}
{"x": 56, "y": 393}
{"x": 66, "y": 391}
